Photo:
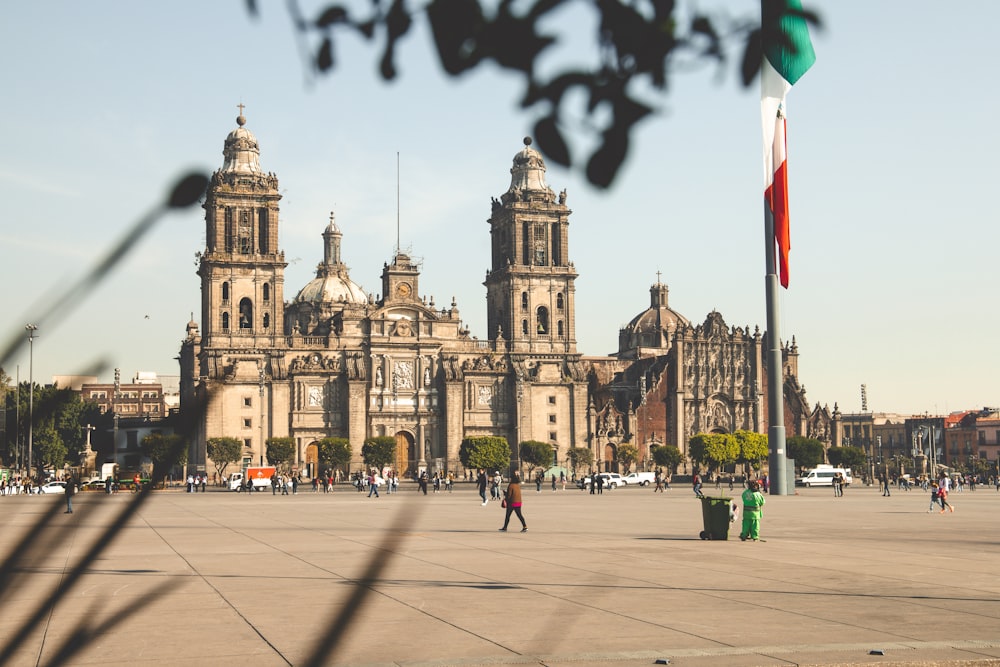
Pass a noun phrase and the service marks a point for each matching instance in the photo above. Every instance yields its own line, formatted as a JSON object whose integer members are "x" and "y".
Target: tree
{"x": 224, "y": 451}
{"x": 753, "y": 448}
{"x": 487, "y": 452}
{"x": 165, "y": 451}
{"x": 667, "y": 456}
{"x": 580, "y": 456}
{"x": 334, "y": 452}
{"x": 846, "y": 457}
{"x": 280, "y": 450}
{"x": 807, "y": 452}
{"x": 49, "y": 449}
{"x": 714, "y": 450}
{"x": 379, "y": 452}
{"x": 638, "y": 45}
{"x": 536, "y": 454}
{"x": 627, "y": 455}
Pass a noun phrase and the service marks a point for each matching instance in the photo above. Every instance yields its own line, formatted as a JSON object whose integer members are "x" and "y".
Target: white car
{"x": 53, "y": 487}
{"x": 640, "y": 478}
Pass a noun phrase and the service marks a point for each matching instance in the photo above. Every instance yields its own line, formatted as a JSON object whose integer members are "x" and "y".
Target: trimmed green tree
{"x": 280, "y": 451}
{"x": 846, "y": 457}
{"x": 627, "y": 455}
{"x": 807, "y": 452}
{"x": 753, "y": 448}
{"x": 580, "y": 457}
{"x": 224, "y": 451}
{"x": 334, "y": 452}
{"x": 713, "y": 450}
{"x": 489, "y": 452}
{"x": 165, "y": 451}
{"x": 536, "y": 454}
{"x": 379, "y": 452}
{"x": 667, "y": 456}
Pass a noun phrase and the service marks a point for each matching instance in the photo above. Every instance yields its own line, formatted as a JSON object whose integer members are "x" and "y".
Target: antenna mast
{"x": 397, "y": 202}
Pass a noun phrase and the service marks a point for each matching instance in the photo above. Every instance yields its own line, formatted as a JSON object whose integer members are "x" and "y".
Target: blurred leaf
{"x": 752, "y": 56}
{"x": 551, "y": 142}
{"x": 189, "y": 190}
{"x": 457, "y": 26}
{"x": 324, "y": 58}
{"x": 332, "y": 14}
{"x": 606, "y": 160}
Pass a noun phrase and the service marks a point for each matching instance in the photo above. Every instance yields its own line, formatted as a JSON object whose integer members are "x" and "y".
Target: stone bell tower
{"x": 529, "y": 288}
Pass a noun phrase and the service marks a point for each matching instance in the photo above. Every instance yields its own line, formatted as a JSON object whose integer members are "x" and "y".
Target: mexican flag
{"x": 788, "y": 53}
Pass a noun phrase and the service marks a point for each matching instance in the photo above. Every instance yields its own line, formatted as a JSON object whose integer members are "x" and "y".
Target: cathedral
{"x": 336, "y": 362}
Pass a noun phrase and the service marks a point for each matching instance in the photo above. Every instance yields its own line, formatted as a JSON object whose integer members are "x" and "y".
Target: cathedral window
{"x": 246, "y": 314}
{"x": 524, "y": 301}
{"x": 225, "y": 321}
{"x": 524, "y": 327}
{"x": 262, "y": 230}
{"x": 230, "y": 230}
{"x": 244, "y": 234}
{"x": 538, "y": 246}
{"x": 559, "y": 328}
{"x": 225, "y": 292}
{"x": 267, "y": 320}
{"x": 559, "y": 301}
{"x": 267, "y": 292}
{"x": 556, "y": 257}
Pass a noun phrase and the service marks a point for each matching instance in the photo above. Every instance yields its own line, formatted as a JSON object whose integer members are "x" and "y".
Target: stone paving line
{"x": 619, "y": 578}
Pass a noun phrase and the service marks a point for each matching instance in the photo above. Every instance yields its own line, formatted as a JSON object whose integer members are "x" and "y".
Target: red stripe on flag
{"x": 777, "y": 198}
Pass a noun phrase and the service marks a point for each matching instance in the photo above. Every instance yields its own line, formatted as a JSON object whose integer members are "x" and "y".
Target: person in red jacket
{"x": 512, "y": 499}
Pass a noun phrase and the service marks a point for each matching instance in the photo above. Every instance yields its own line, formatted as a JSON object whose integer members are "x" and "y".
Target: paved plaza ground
{"x": 228, "y": 579}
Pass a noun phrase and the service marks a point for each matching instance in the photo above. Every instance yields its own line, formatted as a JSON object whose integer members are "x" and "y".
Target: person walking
{"x": 600, "y": 484}
{"x": 658, "y": 479}
{"x": 512, "y": 499}
{"x": 481, "y": 483}
{"x": 885, "y": 486}
{"x": 753, "y": 510}
{"x": 943, "y": 499}
{"x": 553, "y": 481}
{"x": 372, "y": 485}
{"x": 696, "y": 485}
{"x": 538, "y": 483}
{"x": 71, "y": 491}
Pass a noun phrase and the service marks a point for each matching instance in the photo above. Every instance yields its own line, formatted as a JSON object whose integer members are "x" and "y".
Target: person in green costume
{"x": 753, "y": 510}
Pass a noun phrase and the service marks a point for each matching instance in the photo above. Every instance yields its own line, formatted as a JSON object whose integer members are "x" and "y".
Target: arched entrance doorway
{"x": 405, "y": 453}
{"x": 610, "y": 457}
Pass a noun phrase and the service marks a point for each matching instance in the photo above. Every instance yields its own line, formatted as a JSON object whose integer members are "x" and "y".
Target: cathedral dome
{"x": 332, "y": 283}
{"x": 331, "y": 288}
{"x": 241, "y": 150}
{"x": 651, "y": 330}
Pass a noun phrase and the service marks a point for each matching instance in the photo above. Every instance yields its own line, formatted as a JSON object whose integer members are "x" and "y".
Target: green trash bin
{"x": 715, "y": 513}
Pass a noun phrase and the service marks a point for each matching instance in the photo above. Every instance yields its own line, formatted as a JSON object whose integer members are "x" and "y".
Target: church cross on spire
{"x": 240, "y": 105}
{"x": 657, "y": 277}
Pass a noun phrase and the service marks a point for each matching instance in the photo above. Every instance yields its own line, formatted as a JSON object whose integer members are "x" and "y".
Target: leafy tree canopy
{"x": 379, "y": 452}
{"x": 280, "y": 451}
{"x": 487, "y": 452}
{"x": 846, "y": 457}
{"x": 627, "y": 455}
{"x": 667, "y": 456}
{"x": 334, "y": 452}
{"x": 224, "y": 451}
{"x": 753, "y": 446}
{"x": 714, "y": 449}
{"x": 536, "y": 454}
{"x": 165, "y": 451}
{"x": 580, "y": 457}
{"x": 807, "y": 452}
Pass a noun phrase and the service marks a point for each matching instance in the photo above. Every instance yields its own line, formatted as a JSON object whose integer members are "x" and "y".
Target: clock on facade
{"x": 403, "y": 290}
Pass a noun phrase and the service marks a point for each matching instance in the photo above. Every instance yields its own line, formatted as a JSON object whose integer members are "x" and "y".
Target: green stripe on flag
{"x": 786, "y": 39}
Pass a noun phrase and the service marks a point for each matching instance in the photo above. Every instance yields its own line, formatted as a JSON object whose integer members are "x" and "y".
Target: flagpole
{"x": 776, "y": 460}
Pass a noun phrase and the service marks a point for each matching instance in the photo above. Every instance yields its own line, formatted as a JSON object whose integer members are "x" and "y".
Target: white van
{"x": 823, "y": 476}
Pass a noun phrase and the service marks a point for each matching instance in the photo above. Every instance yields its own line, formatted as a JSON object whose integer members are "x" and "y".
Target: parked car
{"x": 94, "y": 485}
{"x": 612, "y": 480}
{"x": 640, "y": 478}
{"x": 53, "y": 487}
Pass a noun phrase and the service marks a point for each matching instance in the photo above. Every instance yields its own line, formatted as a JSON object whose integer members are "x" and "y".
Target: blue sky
{"x": 892, "y": 145}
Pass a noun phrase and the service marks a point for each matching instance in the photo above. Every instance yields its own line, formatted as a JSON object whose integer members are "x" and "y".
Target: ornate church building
{"x": 336, "y": 362}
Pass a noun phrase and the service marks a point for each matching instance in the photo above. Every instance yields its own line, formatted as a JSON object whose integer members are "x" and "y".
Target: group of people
{"x": 195, "y": 482}
{"x": 16, "y": 485}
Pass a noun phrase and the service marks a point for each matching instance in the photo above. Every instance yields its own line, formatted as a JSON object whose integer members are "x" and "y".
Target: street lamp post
{"x": 261, "y": 384}
{"x": 31, "y": 329}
